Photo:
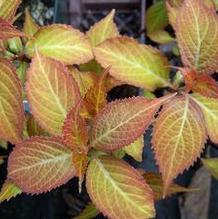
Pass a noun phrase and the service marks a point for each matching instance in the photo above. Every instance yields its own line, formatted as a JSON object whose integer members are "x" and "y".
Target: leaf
{"x": 8, "y": 9}
{"x": 172, "y": 7}
{"x": 61, "y": 42}
{"x": 1, "y": 160}
{"x": 9, "y": 190}
{"x": 102, "y": 30}
{"x": 205, "y": 85}
{"x": 126, "y": 56}
{"x": 96, "y": 98}
{"x": 178, "y": 138}
{"x": 8, "y": 31}
{"x": 15, "y": 45}
{"x": 156, "y": 21}
{"x": 3, "y": 144}
{"x": 51, "y": 92}
{"x": 11, "y": 108}
{"x": 80, "y": 162}
{"x": 75, "y": 131}
{"x": 33, "y": 128}
{"x": 156, "y": 17}
{"x": 90, "y": 211}
{"x": 155, "y": 182}
{"x": 85, "y": 80}
{"x": 197, "y": 35}
{"x": 161, "y": 37}
{"x": 40, "y": 164}
{"x": 135, "y": 149}
{"x": 209, "y": 107}
{"x": 30, "y": 27}
{"x": 118, "y": 190}
{"x": 21, "y": 71}
{"x": 122, "y": 122}
{"x": 212, "y": 165}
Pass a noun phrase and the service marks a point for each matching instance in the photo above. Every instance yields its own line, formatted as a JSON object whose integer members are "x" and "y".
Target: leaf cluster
{"x": 72, "y": 130}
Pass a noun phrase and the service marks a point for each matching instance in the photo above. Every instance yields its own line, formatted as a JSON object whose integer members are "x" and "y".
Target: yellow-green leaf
{"x": 161, "y": 37}
{"x": 61, "y": 42}
{"x": 178, "y": 137}
{"x": 209, "y": 106}
{"x": 9, "y": 190}
{"x": 118, "y": 190}
{"x": 3, "y": 144}
{"x": 133, "y": 63}
{"x": 89, "y": 211}
{"x": 135, "y": 149}
{"x": 11, "y": 107}
{"x": 85, "y": 80}
{"x": 102, "y": 30}
{"x": 51, "y": 92}
{"x": 197, "y": 35}
{"x": 8, "y": 9}
{"x": 30, "y": 27}
{"x": 212, "y": 165}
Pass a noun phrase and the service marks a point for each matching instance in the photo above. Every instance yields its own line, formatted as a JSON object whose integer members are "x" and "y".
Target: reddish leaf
{"x": 95, "y": 98}
{"x": 118, "y": 190}
{"x": 11, "y": 107}
{"x": 122, "y": 122}
{"x": 75, "y": 132}
{"x": 40, "y": 164}
{"x": 8, "y": 31}
{"x": 178, "y": 137}
{"x": 206, "y": 86}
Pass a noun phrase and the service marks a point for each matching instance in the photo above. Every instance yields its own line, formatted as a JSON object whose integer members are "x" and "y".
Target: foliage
{"x": 73, "y": 131}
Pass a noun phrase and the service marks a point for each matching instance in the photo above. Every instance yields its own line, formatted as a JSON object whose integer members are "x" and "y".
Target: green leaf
{"x": 9, "y": 190}
{"x": 89, "y": 212}
{"x": 212, "y": 165}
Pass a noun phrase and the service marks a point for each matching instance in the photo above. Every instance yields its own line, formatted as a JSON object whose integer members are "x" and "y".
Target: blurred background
{"x": 66, "y": 202}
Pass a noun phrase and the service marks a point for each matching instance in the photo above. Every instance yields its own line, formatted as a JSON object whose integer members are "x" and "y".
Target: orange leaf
{"x": 95, "y": 98}
{"x": 118, "y": 190}
{"x": 75, "y": 132}
{"x": 197, "y": 35}
{"x": 155, "y": 182}
{"x": 80, "y": 162}
{"x": 51, "y": 92}
{"x": 8, "y": 31}
{"x": 85, "y": 80}
{"x": 206, "y": 86}
{"x": 40, "y": 164}
{"x": 123, "y": 121}
{"x": 11, "y": 107}
{"x": 178, "y": 137}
